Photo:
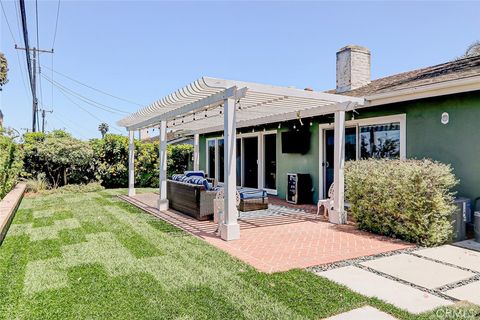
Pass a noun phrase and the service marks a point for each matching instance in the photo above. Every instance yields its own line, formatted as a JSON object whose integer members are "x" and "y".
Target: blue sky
{"x": 142, "y": 51}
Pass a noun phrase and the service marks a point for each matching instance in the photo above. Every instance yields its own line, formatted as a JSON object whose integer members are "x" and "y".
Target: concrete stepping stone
{"x": 454, "y": 255}
{"x": 374, "y": 285}
{"x": 364, "y": 313}
{"x": 469, "y": 292}
{"x": 422, "y": 272}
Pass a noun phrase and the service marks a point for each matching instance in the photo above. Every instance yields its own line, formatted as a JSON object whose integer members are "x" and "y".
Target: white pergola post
{"x": 338, "y": 215}
{"x": 162, "y": 200}
{"x": 196, "y": 152}
{"x": 131, "y": 163}
{"x": 230, "y": 229}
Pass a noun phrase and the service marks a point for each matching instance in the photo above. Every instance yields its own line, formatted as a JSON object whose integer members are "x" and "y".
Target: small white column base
{"x": 230, "y": 232}
{"x": 162, "y": 205}
{"x": 337, "y": 217}
{"x": 131, "y": 192}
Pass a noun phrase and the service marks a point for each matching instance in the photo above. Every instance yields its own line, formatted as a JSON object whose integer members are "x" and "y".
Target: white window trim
{"x": 401, "y": 118}
{"x": 269, "y": 191}
{"x": 207, "y": 155}
{"x": 260, "y": 163}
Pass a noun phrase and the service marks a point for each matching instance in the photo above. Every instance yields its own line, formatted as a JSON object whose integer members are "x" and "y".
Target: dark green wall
{"x": 298, "y": 163}
{"x": 457, "y": 143}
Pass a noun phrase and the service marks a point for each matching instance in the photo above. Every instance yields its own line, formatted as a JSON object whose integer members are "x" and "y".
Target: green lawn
{"x": 90, "y": 255}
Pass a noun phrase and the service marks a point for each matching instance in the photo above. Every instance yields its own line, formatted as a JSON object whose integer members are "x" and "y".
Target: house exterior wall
{"x": 457, "y": 142}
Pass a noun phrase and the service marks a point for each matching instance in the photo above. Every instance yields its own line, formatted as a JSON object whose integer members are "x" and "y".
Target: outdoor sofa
{"x": 192, "y": 194}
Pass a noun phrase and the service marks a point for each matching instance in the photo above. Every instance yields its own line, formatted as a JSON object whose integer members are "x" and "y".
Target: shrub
{"x": 37, "y": 184}
{"x": 179, "y": 158}
{"x": 77, "y": 188}
{"x": 65, "y": 159}
{"x": 110, "y": 161}
{"x": 58, "y": 156}
{"x": 10, "y": 163}
{"x": 408, "y": 199}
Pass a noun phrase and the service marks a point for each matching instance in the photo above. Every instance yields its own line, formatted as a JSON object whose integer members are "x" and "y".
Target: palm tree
{"x": 103, "y": 128}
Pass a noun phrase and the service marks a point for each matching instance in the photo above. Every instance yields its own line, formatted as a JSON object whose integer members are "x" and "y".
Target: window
{"x": 380, "y": 141}
{"x": 376, "y": 137}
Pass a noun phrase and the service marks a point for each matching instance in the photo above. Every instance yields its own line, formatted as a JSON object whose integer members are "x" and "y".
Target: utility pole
{"x": 34, "y": 84}
{"x": 43, "y": 118}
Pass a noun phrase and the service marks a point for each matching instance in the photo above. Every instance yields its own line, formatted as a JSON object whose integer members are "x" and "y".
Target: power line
{"x": 15, "y": 42}
{"x": 8, "y": 24}
{"x": 38, "y": 46}
{"x": 23, "y": 16}
{"x": 91, "y": 114}
{"x": 85, "y": 99}
{"x": 29, "y": 62}
{"x": 62, "y": 121}
{"x": 56, "y": 25}
{"x": 93, "y": 88}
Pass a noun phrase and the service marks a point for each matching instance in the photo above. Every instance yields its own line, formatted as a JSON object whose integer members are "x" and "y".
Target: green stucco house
{"x": 432, "y": 112}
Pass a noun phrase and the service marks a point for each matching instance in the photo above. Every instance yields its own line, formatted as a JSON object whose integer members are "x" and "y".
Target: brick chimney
{"x": 353, "y": 68}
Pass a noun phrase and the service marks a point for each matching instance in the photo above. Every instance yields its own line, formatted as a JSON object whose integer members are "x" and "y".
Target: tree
{"x": 473, "y": 49}
{"x": 64, "y": 156}
{"x": 3, "y": 70}
{"x": 103, "y": 128}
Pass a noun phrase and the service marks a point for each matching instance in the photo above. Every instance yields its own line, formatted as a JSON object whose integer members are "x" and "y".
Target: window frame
{"x": 357, "y": 123}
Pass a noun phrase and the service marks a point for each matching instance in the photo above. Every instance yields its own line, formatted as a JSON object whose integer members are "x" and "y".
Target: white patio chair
{"x": 327, "y": 203}
{"x": 218, "y": 207}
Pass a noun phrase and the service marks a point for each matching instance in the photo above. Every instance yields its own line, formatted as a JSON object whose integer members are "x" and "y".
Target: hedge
{"x": 10, "y": 163}
{"x": 408, "y": 199}
{"x": 66, "y": 160}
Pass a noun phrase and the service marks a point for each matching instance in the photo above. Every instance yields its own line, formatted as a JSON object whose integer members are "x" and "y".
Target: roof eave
{"x": 426, "y": 91}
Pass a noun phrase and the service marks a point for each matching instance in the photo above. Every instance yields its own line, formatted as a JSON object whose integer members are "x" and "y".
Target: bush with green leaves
{"x": 179, "y": 158}
{"x": 10, "y": 162}
{"x": 62, "y": 158}
{"x": 407, "y": 199}
{"x": 110, "y": 161}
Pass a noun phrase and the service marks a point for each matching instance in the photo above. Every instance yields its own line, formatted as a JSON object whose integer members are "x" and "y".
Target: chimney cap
{"x": 354, "y": 47}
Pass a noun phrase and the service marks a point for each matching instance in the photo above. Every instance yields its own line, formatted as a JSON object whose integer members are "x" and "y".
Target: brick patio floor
{"x": 283, "y": 242}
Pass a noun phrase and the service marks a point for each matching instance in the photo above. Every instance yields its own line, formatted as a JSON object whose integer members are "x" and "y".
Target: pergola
{"x": 211, "y": 105}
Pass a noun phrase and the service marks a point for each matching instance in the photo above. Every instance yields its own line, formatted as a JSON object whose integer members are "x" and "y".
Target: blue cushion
{"x": 249, "y": 193}
{"x": 177, "y": 177}
{"x": 199, "y": 181}
{"x": 195, "y": 174}
{"x": 246, "y": 193}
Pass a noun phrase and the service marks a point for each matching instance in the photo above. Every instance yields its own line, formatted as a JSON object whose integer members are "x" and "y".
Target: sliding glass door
{"x": 270, "y": 161}
{"x": 250, "y": 162}
{"x": 256, "y": 160}
{"x": 211, "y": 155}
